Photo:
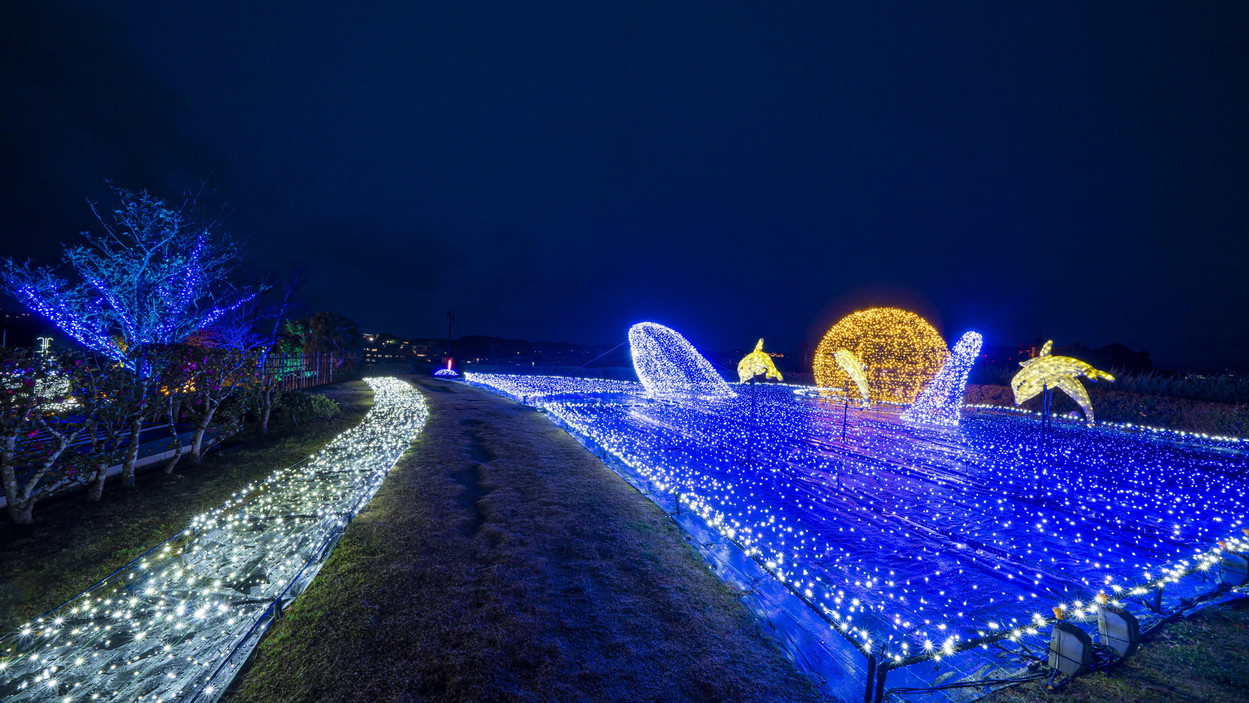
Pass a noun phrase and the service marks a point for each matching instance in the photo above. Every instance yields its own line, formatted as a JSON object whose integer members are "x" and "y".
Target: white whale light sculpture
{"x": 942, "y": 400}
{"x": 670, "y": 367}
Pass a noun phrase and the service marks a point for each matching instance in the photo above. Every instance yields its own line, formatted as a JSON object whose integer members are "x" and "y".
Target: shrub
{"x": 300, "y": 407}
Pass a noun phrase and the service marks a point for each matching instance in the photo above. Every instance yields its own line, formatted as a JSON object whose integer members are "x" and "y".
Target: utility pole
{"x": 450, "y": 319}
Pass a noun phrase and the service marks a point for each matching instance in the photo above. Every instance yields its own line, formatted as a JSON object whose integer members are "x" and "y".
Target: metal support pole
{"x": 845, "y": 411}
{"x": 869, "y": 691}
{"x": 879, "y": 693}
{"x": 750, "y": 426}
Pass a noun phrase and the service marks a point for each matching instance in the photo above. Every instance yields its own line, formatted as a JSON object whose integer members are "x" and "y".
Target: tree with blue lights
{"x": 153, "y": 276}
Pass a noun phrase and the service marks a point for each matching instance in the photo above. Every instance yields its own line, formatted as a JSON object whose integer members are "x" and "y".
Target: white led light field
{"x": 177, "y": 623}
{"x": 917, "y": 541}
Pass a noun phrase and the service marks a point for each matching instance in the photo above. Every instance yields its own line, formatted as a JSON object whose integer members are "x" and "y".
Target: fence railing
{"x": 297, "y": 371}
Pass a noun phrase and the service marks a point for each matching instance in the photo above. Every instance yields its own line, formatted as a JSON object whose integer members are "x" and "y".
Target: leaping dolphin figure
{"x": 757, "y": 363}
{"x": 854, "y": 368}
{"x": 1059, "y": 372}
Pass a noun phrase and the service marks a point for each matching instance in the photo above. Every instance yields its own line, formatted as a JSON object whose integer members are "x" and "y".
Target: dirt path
{"x": 502, "y": 562}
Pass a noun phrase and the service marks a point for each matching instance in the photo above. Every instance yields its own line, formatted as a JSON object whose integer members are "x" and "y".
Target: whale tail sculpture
{"x": 1061, "y": 372}
{"x": 942, "y": 400}
{"x": 670, "y": 367}
{"x": 757, "y": 363}
{"x": 853, "y": 368}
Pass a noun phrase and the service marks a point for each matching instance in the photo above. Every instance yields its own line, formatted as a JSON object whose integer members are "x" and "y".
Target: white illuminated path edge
{"x": 177, "y": 623}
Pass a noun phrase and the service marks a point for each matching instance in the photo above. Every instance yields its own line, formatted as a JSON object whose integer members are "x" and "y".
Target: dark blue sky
{"x": 561, "y": 170}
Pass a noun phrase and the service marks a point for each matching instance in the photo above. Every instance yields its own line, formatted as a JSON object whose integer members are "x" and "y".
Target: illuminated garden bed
{"x": 919, "y": 542}
{"x": 178, "y": 622}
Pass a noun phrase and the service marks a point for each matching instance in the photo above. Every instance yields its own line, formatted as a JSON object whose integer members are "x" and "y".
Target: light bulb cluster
{"x": 918, "y": 541}
{"x": 941, "y": 403}
{"x": 53, "y": 388}
{"x": 853, "y": 368}
{"x": 757, "y": 364}
{"x": 900, "y": 353}
{"x": 670, "y": 367}
{"x": 1056, "y": 372}
{"x": 177, "y": 623}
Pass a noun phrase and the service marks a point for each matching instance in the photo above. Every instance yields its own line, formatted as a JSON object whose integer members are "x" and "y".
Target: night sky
{"x": 559, "y": 171}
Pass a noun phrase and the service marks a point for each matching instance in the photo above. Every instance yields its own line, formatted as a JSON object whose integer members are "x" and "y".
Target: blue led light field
{"x": 919, "y": 539}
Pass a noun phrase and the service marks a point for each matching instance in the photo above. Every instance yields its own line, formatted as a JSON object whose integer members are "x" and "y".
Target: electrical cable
{"x": 600, "y": 356}
{"x": 969, "y": 684}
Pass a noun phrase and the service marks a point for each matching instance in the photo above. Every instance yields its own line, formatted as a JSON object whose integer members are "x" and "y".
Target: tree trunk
{"x": 173, "y": 433}
{"x": 21, "y": 502}
{"x": 8, "y": 475}
{"x": 197, "y": 447}
{"x": 173, "y": 460}
{"x": 99, "y": 440}
{"x": 95, "y": 489}
{"x": 132, "y": 453}
{"x": 266, "y": 409}
{"x": 22, "y": 512}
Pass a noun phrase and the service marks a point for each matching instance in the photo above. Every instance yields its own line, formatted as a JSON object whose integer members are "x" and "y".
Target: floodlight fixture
{"x": 1118, "y": 629}
{"x": 1071, "y": 650}
{"x": 1235, "y": 568}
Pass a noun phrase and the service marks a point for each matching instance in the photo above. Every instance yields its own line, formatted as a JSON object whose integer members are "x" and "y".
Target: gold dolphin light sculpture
{"x": 1059, "y": 372}
{"x": 854, "y": 368}
{"x": 757, "y": 363}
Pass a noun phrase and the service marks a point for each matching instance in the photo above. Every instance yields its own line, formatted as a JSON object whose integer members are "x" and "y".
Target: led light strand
{"x": 899, "y": 350}
{"x": 1061, "y": 372}
{"x": 165, "y": 627}
{"x": 757, "y": 363}
{"x": 670, "y": 367}
{"x": 920, "y": 543}
{"x": 942, "y": 401}
{"x": 1129, "y": 426}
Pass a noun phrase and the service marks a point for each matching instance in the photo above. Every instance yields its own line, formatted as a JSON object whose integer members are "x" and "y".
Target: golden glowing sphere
{"x": 899, "y": 350}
